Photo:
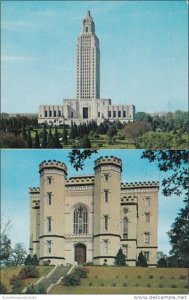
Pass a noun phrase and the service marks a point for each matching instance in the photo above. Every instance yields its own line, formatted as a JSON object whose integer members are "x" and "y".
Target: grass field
{"x": 7, "y": 273}
{"x": 128, "y": 280}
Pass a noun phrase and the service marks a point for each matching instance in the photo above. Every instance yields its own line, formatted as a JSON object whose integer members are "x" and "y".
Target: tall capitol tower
{"x": 87, "y": 105}
{"x": 88, "y": 61}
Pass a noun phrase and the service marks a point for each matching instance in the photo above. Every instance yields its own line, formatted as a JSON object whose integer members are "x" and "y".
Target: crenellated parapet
{"x": 140, "y": 184}
{"x": 80, "y": 180}
{"x": 34, "y": 190}
{"x": 52, "y": 164}
{"x": 108, "y": 160}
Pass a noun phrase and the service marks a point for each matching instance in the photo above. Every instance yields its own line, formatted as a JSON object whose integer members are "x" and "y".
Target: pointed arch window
{"x": 80, "y": 220}
{"x": 125, "y": 228}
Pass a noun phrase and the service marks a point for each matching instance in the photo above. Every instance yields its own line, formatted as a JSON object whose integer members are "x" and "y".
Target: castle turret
{"x": 107, "y": 210}
{"x": 52, "y": 208}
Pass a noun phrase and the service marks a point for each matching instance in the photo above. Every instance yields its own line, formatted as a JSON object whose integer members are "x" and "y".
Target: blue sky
{"x": 143, "y": 52}
{"x": 19, "y": 171}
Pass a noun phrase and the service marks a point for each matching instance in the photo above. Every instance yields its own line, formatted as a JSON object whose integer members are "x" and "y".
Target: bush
{"x": 36, "y": 289}
{"x": 148, "y": 285}
{"x": 96, "y": 276}
{"x": 29, "y": 272}
{"x": 46, "y": 262}
{"x": 137, "y": 284}
{"x": 16, "y": 283}
{"x": 125, "y": 284}
{"x": 160, "y": 285}
{"x": 174, "y": 286}
{"x": 113, "y": 284}
{"x": 102, "y": 284}
{"x": 81, "y": 272}
{"x": 90, "y": 263}
{"x": 139, "y": 276}
{"x": 172, "y": 277}
{"x": 90, "y": 283}
{"x": 3, "y": 289}
{"x": 183, "y": 277}
{"x": 71, "y": 280}
{"x": 150, "y": 276}
{"x": 161, "y": 277}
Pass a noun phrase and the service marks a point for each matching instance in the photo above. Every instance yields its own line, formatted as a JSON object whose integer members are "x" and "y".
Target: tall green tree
{"x": 56, "y": 139}
{"x": 29, "y": 139}
{"x": 142, "y": 261}
{"x": 36, "y": 141}
{"x": 120, "y": 259}
{"x": 85, "y": 142}
{"x": 18, "y": 255}
{"x": 23, "y": 133}
{"x": 44, "y": 138}
{"x": 65, "y": 135}
{"x": 50, "y": 143}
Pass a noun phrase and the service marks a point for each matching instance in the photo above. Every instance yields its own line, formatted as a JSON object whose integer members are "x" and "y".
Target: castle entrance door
{"x": 80, "y": 253}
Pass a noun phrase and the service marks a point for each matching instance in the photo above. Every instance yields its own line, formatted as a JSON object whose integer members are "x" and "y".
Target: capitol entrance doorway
{"x": 80, "y": 253}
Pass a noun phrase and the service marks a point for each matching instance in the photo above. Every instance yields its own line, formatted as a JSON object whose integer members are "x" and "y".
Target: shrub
{"x": 46, "y": 262}
{"x": 90, "y": 263}
{"x": 126, "y": 276}
{"x": 90, "y": 283}
{"x": 36, "y": 289}
{"x": 96, "y": 276}
{"x": 183, "y": 277}
{"x": 3, "y": 289}
{"x": 16, "y": 283}
{"x": 81, "y": 272}
{"x": 160, "y": 285}
{"x": 172, "y": 277}
{"x": 102, "y": 284}
{"x": 186, "y": 286}
{"x": 120, "y": 258}
{"x": 125, "y": 284}
{"x": 150, "y": 276}
{"x": 148, "y": 285}
{"x": 113, "y": 284}
{"x": 161, "y": 277}
{"x": 174, "y": 286}
{"x": 71, "y": 280}
{"x": 139, "y": 276}
{"x": 137, "y": 284}
{"x": 29, "y": 272}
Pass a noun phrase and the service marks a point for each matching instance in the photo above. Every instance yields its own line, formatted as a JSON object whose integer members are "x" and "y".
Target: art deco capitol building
{"x": 87, "y": 105}
{"x": 89, "y": 218}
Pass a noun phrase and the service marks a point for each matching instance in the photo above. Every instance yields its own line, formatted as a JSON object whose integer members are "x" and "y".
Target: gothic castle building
{"x": 88, "y": 105}
{"x": 89, "y": 218}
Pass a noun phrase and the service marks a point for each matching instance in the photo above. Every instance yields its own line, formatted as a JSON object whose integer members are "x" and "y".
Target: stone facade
{"x": 88, "y": 105}
{"x": 89, "y": 218}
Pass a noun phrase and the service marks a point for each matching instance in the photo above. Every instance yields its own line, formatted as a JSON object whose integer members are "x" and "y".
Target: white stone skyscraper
{"x": 88, "y": 61}
{"x": 87, "y": 105}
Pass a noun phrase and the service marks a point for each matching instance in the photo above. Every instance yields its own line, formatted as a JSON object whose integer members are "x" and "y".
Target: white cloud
{"x": 10, "y": 58}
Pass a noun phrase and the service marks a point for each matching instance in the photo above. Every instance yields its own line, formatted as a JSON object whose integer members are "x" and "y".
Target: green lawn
{"x": 130, "y": 280}
{"x": 7, "y": 273}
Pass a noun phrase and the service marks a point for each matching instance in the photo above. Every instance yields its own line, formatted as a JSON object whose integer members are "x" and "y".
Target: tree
{"x": 162, "y": 263}
{"x": 65, "y": 135}
{"x": 24, "y": 134}
{"x": 136, "y": 129}
{"x": 5, "y": 242}
{"x": 50, "y": 143}
{"x": 36, "y": 141}
{"x": 28, "y": 260}
{"x": 18, "y": 255}
{"x": 120, "y": 259}
{"x": 44, "y": 138}
{"x": 176, "y": 163}
{"x": 179, "y": 237}
{"x": 29, "y": 139}
{"x": 142, "y": 261}
{"x": 77, "y": 157}
{"x": 56, "y": 139}
{"x": 85, "y": 142}
{"x": 35, "y": 260}
{"x": 3, "y": 289}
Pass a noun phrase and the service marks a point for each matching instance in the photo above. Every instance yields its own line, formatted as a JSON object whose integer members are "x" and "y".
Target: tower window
{"x": 147, "y": 238}
{"x": 50, "y": 113}
{"x": 106, "y": 177}
{"x": 124, "y": 114}
{"x": 109, "y": 114}
{"x": 147, "y": 201}
{"x": 119, "y": 114}
{"x": 147, "y": 217}
{"x": 55, "y": 113}
{"x": 80, "y": 220}
{"x": 106, "y": 195}
{"x": 49, "y": 197}
{"x": 49, "y": 243}
{"x": 59, "y": 113}
{"x": 106, "y": 223}
{"x": 49, "y": 224}
{"x": 125, "y": 228}
{"x": 49, "y": 179}
{"x": 105, "y": 246}
{"x": 147, "y": 255}
{"x": 45, "y": 113}
{"x": 114, "y": 114}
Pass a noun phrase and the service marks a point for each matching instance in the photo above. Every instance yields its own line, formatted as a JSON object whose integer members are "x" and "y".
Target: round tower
{"x": 52, "y": 207}
{"x": 107, "y": 209}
